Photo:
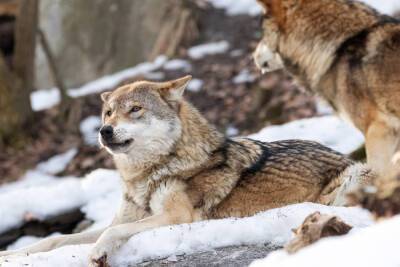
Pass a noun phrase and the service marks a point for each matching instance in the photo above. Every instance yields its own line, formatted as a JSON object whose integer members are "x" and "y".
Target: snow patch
{"x": 89, "y": 128}
{"x": 388, "y": 7}
{"x": 244, "y": 77}
{"x": 45, "y": 200}
{"x": 178, "y": 64}
{"x": 44, "y": 99}
{"x": 377, "y": 245}
{"x": 252, "y": 8}
{"x": 238, "y": 7}
{"x": 57, "y": 163}
{"x": 195, "y": 85}
{"x": 328, "y": 130}
{"x": 200, "y": 51}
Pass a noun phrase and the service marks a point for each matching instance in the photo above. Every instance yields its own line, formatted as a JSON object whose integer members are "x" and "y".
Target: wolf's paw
{"x": 99, "y": 256}
{"x": 96, "y": 261}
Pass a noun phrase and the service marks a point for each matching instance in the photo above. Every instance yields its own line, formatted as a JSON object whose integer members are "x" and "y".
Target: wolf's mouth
{"x": 114, "y": 145}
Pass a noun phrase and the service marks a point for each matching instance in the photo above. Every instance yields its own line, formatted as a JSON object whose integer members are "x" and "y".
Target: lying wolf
{"x": 347, "y": 53}
{"x": 177, "y": 168}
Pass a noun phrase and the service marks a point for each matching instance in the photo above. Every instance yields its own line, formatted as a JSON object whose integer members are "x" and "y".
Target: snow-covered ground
{"x": 328, "y": 130}
{"x": 374, "y": 246}
{"x": 51, "y": 196}
{"x": 202, "y": 50}
{"x": 271, "y": 227}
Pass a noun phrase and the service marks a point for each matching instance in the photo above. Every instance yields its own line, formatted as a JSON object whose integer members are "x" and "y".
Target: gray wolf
{"x": 347, "y": 53}
{"x": 177, "y": 168}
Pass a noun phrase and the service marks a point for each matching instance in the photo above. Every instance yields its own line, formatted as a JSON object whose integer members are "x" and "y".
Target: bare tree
{"x": 16, "y": 82}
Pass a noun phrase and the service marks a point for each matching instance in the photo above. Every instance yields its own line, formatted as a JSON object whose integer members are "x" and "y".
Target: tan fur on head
{"x": 143, "y": 116}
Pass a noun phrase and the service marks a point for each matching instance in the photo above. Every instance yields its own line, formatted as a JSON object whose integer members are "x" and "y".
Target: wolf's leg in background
{"x": 56, "y": 242}
{"x": 382, "y": 143}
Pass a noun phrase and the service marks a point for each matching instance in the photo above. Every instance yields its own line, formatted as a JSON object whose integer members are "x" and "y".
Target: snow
{"x": 232, "y": 131}
{"x": 388, "y": 7}
{"x": 328, "y": 130}
{"x": 244, "y": 77}
{"x": 195, "y": 85}
{"x": 238, "y": 7}
{"x": 202, "y": 50}
{"x": 43, "y": 173}
{"x": 323, "y": 107}
{"x": 377, "y": 245}
{"x": 271, "y": 227}
{"x": 45, "y": 200}
{"x": 44, "y": 99}
{"x": 26, "y": 241}
{"x": 110, "y": 81}
{"x": 89, "y": 128}
{"x": 57, "y": 163}
{"x": 252, "y": 8}
{"x": 178, "y": 64}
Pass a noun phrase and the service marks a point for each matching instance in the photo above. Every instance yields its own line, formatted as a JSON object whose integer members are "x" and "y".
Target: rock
{"x": 90, "y": 39}
{"x": 230, "y": 256}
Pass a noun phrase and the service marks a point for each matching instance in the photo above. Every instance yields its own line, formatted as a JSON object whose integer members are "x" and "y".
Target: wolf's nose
{"x": 107, "y": 132}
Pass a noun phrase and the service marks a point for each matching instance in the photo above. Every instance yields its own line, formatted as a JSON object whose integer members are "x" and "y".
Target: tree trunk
{"x": 16, "y": 84}
{"x": 11, "y": 118}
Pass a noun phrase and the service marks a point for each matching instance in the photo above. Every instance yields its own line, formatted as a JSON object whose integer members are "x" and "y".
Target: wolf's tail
{"x": 349, "y": 180}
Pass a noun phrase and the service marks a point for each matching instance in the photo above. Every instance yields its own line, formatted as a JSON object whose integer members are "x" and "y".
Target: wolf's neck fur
{"x": 309, "y": 50}
{"x": 193, "y": 149}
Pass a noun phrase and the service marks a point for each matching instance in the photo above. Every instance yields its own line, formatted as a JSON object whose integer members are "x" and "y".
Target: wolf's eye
{"x": 108, "y": 113}
{"x": 136, "y": 109}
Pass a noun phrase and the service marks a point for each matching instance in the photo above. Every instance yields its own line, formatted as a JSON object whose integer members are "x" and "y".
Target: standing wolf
{"x": 176, "y": 168}
{"x": 349, "y": 54}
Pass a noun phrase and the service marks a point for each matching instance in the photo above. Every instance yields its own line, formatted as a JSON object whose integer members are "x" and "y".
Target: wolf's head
{"x": 142, "y": 119}
{"x": 266, "y": 55}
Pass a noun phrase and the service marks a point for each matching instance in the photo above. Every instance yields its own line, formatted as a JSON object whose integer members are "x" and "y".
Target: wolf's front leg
{"x": 55, "y": 242}
{"x": 176, "y": 209}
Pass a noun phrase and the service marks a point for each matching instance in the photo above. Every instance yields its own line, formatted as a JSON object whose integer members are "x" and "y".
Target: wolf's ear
{"x": 277, "y": 8}
{"x": 104, "y": 96}
{"x": 173, "y": 90}
{"x": 265, "y": 4}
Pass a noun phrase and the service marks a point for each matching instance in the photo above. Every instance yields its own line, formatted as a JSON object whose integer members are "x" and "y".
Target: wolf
{"x": 177, "y": 168}
{"x": 348, "y": 53}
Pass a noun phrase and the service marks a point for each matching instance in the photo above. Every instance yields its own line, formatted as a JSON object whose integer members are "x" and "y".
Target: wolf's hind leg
{"x": 354, "y": 176}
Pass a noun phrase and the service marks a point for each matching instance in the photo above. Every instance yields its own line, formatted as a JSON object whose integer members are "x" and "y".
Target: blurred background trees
{"x": 51, "y": 47}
